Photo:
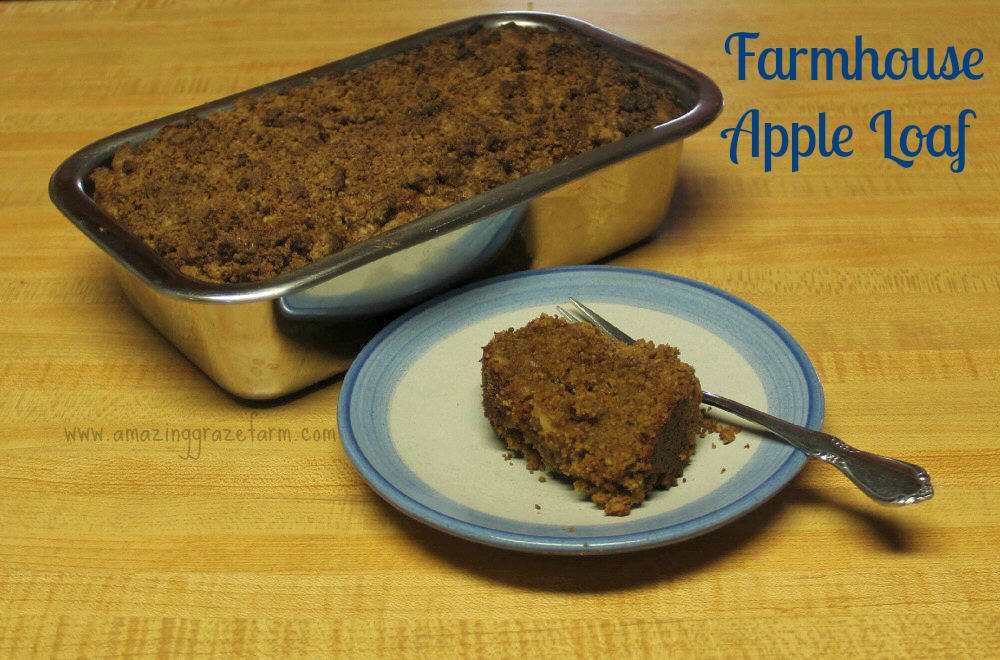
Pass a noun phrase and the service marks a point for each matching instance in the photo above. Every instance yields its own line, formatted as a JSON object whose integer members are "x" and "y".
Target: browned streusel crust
{"x": 290, "y": 177}
{"x": 619, "y": 420}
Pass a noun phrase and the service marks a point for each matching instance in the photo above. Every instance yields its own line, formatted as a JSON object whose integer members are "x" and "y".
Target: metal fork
{"x": 885, "y": 480}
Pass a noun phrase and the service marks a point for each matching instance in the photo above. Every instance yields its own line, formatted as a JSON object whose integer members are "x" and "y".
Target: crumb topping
{"x": 290, "y": 177}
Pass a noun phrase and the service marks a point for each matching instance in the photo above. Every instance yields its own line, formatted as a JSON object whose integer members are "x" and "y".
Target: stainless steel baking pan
{"x": 265, "y": 339}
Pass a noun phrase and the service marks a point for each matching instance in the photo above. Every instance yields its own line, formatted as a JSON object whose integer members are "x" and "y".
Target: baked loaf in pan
{"x": 289, "y": 177}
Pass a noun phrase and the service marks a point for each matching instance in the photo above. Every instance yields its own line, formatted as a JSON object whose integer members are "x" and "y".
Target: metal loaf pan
{"x": 266, "y": 339}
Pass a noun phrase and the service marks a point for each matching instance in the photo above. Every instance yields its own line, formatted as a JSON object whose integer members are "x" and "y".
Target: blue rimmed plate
{"x": 411, "y": 419}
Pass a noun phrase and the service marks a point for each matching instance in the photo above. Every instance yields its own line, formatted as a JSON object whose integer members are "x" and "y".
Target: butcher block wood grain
{"x": 888, "y": 277}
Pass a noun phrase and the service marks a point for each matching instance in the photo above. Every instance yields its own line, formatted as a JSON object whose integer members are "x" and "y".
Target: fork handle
{"x": 885, "y": 480}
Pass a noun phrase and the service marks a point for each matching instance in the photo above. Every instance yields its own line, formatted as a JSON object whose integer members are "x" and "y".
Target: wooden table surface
{"x": 888, "y": 277}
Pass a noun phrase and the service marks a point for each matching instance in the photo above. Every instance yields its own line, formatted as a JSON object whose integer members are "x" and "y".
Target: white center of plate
{"x": 438, "y": 428}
